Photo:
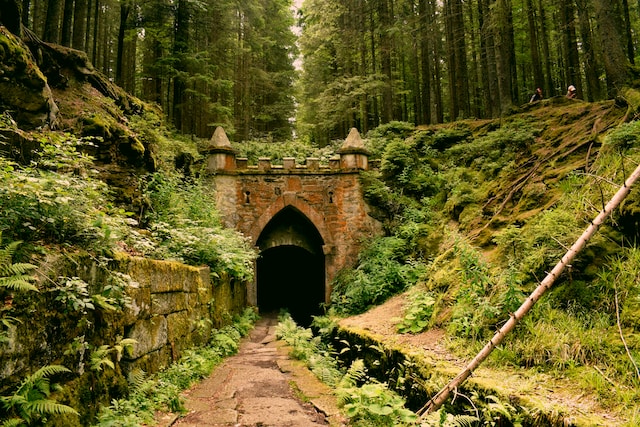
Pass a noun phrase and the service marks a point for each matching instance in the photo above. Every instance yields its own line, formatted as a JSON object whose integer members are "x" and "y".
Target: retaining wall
{"x": 172, "y": 307}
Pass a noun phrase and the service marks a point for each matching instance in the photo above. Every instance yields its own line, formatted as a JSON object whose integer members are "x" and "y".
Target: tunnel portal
{"x": 290, "y": 270}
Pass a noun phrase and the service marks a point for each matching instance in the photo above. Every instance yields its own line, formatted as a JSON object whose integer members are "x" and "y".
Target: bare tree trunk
{"x": 436, "y": 401}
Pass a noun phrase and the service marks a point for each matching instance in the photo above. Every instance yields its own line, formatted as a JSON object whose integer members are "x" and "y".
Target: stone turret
{"x": 221, "y": 156}
{"x": 353, "y": 154}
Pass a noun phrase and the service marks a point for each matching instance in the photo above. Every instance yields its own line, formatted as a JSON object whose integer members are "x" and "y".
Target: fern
{"x": 31, "y": 401}
{"x": 13, "y": 422}
{"x": 100, "y": 357}
{"x": 15, "y": 276}
{"x": 442, "y": 419}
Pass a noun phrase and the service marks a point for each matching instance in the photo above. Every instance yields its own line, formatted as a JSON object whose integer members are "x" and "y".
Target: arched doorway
{"x": 290, "y": 271}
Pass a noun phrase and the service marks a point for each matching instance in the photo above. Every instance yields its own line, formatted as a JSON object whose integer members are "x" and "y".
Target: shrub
{"x": 384, "y": 269}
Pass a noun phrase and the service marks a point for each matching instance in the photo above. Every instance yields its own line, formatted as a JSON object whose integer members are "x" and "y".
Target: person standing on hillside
{"x": 537, "y": 96}
{"x": 571, "y": 92}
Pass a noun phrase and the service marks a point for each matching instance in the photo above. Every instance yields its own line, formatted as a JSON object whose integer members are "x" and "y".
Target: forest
{"x": 360, "y": 63}
{"x": 478, "y": 191}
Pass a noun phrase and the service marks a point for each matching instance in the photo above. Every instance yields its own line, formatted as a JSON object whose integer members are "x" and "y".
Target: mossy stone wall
{"x": 173, "y": 307}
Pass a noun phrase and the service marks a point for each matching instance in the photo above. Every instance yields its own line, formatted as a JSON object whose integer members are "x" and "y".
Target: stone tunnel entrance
{"x": 290, "y": 270}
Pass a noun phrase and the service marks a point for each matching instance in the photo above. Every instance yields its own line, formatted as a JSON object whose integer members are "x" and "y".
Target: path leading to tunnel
{"x": 260, "y": 386}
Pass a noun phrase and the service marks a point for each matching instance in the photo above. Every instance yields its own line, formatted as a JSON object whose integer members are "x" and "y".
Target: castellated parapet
{"x": 222, "y": 158}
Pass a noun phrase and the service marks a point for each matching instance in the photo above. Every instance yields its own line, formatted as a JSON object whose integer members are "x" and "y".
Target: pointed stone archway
{"x": 290, "y": 270}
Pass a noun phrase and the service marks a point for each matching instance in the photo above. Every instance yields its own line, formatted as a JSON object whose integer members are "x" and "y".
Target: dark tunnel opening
{"x": 290, "y": 270}
{"x": 291, "y": 278}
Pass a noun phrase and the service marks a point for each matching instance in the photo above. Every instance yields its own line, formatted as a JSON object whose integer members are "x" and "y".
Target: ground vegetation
{"x": 487, "y": 208}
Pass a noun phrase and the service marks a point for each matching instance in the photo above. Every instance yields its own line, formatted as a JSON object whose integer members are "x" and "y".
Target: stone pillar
{"x": 220, "y": 154}
{"x": 353, "y": 154}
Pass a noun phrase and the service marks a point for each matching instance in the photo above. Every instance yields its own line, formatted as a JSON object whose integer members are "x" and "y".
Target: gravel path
{"x": 259, "y": 387}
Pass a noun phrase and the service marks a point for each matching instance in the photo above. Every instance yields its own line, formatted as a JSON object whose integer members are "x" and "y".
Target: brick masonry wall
{"x": 331, "y": 199}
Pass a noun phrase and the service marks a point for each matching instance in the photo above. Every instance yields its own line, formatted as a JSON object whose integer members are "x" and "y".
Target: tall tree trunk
{"x": 536, "y": 64}
{"x": 589, "y": 56}
{"x": 67, "y": 23}
{"x": 450, "y": 34}
{"x": 500, "y": 24}
{"x": 628, "y": 32}
{"x": 10, "y": 15}
{"x": 125, "y": 9}
{"x": 462, "y": 73}
{"x": 549, "y": 87}
{"x": 385, "y": 59}
{"x": 441, "y": 397}
{"x": 80, "y": 14}
{"x": 26, "y": 10}
{"x": 616, "y": 63}
{"x": 96, "y": 32}
{"x": 426, "y": 19}
{"x": 180, "y": 48}
{"x": 487, "y": 61}
{"x": 570, "y": 46}
{"x": 52, "y": 23}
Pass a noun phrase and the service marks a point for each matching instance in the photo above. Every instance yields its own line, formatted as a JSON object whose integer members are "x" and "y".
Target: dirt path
{"x": 259, "y": 387}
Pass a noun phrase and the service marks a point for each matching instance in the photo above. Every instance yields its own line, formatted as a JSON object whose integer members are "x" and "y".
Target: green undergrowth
{"x": 362, "y": 399}
{"x": 161, "y": 392}
{"x": 477, "y": 213}
{"x": 59, "y": 200}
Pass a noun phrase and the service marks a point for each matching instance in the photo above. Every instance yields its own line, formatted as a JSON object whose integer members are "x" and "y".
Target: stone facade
{"x": 329, "y": 196}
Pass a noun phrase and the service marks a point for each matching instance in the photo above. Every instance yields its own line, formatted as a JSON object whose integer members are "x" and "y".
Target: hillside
{"x": 482, "y": 210}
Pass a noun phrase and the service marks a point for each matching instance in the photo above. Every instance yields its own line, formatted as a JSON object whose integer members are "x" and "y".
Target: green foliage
{"x": 384, "y": 268}
{"x": 417, "y": 314}
{"x": 14, "y": 276}
{"x": 60, "y": 203}
{"x": 312, "y": 350}
{"x": 31, "y": 403}
{"x": 624, "y": 137}
{"x": 365, "y": 401}
{"x": 441, "y": 418}
{"x": 449, "y": 136}
{"x": 73, "y": 295}
{"x": 497, "y": 412}
{"x": 368, "y": 402}
{"x": 186, "y": 225}
{"x": 276, "y": 151}
{"x": 162, "y": 391}
{"x": 402, "y": 166}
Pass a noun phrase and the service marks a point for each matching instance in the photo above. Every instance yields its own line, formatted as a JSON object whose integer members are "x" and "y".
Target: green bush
{"x": 384, "y": 269}
{"x": 624, "y": 137}
{"x": 186, "y": 226}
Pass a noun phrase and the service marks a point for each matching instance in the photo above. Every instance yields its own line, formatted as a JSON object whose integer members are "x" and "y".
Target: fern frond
{"x": 18, "y": 283}
{"x": 13, "y": 422}
{"x": 136, "y": 378}
{"x": 101, "y": 357}
{"x": 46, "y": 406}
{"x": 15, "y": 275}
{"x": 464, "y": 421}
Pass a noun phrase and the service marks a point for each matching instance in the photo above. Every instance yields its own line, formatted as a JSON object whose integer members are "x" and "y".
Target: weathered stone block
{"x": 140, "y": 307}
{"x": 169, "y": 302}
{"x": 150, "y": 335}
{"x": 178, "y": 325}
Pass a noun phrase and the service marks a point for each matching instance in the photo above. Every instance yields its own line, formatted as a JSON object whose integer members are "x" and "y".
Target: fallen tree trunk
{"x": 436, "y": 401}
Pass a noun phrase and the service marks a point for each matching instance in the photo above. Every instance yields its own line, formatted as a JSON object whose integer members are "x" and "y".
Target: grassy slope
{"x": 568, "y": 358}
